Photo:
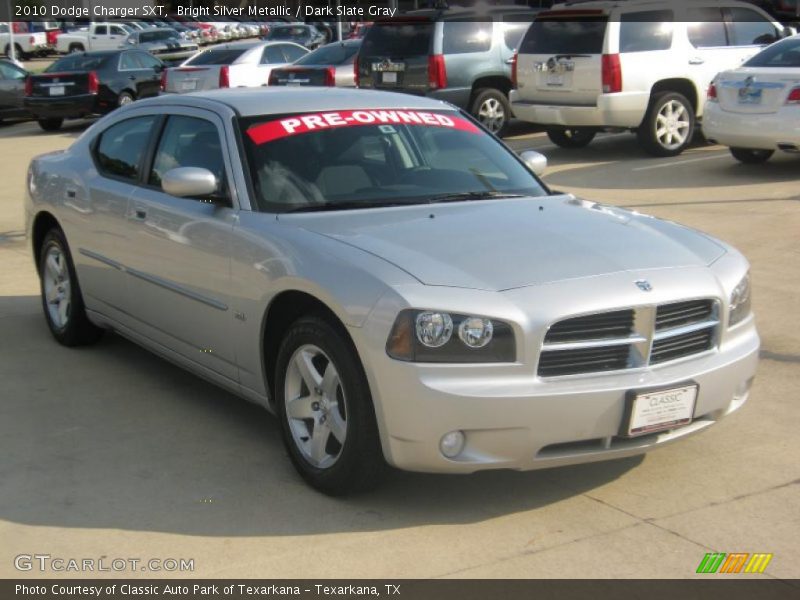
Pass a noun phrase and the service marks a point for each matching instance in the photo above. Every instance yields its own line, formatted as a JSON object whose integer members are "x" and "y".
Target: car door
{"x": 179, "y": 260}
{"x": 12, "y": 88}
{"x": 749, "y": 32}
{"x": 709, "y": 49}
{"x": 118, "y": 153}
{"x": 148, "y": 73}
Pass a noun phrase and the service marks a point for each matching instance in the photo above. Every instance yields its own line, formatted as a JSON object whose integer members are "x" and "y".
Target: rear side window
{"x": 462, "y": 37}
{"x": 224, "y": 56}
{"x": 398, "y": 40}
{"x": 101, "y": 30}
{"x": 128, "y": 62}
{"x": 187, "y": 142}
{"x": 292, "y": 53}
{"x": 513, "y": 32}
{"x": 782, "y": 54}
{"x": 121, "y": 147}
{"x": 706, "y": 29}
{"x": 646, "y": 31}
{"x": 565, "y": 35}
{"x": 332, "y": 54}
{"x": 272, "y": 55}
{"x": 748, "y": 28}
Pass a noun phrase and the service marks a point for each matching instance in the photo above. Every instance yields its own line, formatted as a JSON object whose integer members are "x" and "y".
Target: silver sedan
{"x": 390, "y": 280}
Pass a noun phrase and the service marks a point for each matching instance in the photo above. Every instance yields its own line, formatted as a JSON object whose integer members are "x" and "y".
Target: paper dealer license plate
{"x": 660, "y": 410}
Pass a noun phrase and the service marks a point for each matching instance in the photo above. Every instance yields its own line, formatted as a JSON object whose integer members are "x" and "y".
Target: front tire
{"x": 62, "y": 301}
{"x": 492, "y": 109}
{"x": 668, "y": 125}
{"x": 125, "y": 98}
{"x": 325, "y": 408}
{"x": 751, "y": 156}
{"x": 571, "y": 137}
{"x": 51, "y": 124}
{"x": 73, "y": 48}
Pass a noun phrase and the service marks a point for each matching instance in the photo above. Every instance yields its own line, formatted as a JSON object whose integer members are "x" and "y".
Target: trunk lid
{"x": 394, "y": 56}
{"x": 59, "y": 85}
{"x": 560, "y": 58}
{"x": 755, "y": 90}
{"x": 181, "y": 80}
{"x": 303, "y": 76}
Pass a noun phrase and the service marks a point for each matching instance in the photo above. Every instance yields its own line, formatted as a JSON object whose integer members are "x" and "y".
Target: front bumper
{"x": 68, "y": 107}
{"x": 625, "y": 110}
{"x": 514, "y": 419}
{"x": 758, "y": 131}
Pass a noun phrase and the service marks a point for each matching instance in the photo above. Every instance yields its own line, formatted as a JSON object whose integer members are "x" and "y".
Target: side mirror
{"x": 535, "y": 161}
{"x": 188, "y": 182}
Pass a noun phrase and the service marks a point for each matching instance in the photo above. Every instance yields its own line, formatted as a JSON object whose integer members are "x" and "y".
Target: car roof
{"x": 281, "y": 100}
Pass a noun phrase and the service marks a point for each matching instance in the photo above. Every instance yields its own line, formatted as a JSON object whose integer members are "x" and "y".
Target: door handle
{"x": 140, "y": 214}
{"x": 132, "y": 77}
{"x": 696, "y": 61}
{"x": 71, "y": 193}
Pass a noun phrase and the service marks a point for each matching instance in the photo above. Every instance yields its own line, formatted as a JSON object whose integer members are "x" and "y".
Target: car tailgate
{"x": 192, "y": 79}
{"x": 60, "y": 85}
{"x": 394, "y": 56}
{"x": 755, "y": 90}
{"x": 560, "y": 59}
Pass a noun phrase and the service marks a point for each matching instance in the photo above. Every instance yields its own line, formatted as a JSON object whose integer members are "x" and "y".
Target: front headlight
{"x": 428, "y": 336}
{"x": 740, "y": 302}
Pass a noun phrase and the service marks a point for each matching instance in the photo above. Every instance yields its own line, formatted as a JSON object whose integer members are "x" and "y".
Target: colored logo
{"x": 735, "y": 562}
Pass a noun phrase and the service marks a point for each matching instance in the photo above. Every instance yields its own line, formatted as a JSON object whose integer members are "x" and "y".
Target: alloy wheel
{"x": 57, "y": 287}
{"x": 492, "y": 115}
{"x": 672, "y": 125}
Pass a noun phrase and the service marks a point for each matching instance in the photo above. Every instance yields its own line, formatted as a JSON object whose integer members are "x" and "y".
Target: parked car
{"x": 12, "y": 90}
{"x": 97, "y": 36}
{"x": 755, "y": 109}
{"x": 91, "y": 83}
{"x": 237, "y": 64}
{"x": 391, "y": 280}
{"x": 49, "y": 28}
{"x": 641, "y": 66}
{"x": 359, "y": 30}
{"x": 166, "y": 44}
{"x": 450, "y": 55}
{"x": 25, "y": 44}
{"x": 304, "y": 35}
{"x": 331, "y": 64}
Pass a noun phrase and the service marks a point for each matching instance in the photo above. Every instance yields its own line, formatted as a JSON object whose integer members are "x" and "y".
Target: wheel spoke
{"x": 308, "y": 371}
{"x": 63, "y": 308}
{"x": 51, "y": 294}
{"x": 337, "y": 425}
{"x": 52, "y": 266}
{"x": 330, "y": 382}
{"x": 300, "y": 408}
{"x": 661, "y": 132}
{"x": 319, "y": 439}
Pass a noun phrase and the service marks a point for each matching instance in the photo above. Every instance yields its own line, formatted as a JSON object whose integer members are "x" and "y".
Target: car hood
{"x": 506, "y": 244}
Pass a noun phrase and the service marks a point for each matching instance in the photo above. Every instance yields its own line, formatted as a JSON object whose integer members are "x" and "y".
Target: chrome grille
{"x": 629, "y": 338}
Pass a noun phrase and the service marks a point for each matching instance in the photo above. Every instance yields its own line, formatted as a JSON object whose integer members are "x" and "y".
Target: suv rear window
{"x": 398, "y": 39}
{"x": 462, "y": 37}
{"x": 565, "y": 34}
{"x": 225, "y": 56}
{"x": 646, "y": 31}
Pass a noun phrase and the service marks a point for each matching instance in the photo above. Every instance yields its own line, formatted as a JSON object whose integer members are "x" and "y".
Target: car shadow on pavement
{"x": 112, "y": 436}
{"x": 19, "y": 128}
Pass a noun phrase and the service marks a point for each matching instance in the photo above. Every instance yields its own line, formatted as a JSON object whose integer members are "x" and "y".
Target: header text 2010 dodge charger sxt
{"x": 390, "y": 280}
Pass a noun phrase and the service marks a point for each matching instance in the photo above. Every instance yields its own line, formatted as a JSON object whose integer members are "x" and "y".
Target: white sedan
{"x": 755, "y": 109}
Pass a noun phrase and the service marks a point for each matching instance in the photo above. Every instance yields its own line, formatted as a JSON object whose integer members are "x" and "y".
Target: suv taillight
{"x": 164, "y": 80}
{"x": 612, "y": 74}
{"x": 437, "y": 74}
{"x": 514, "y": 61}
{"x": 28, "y": 86}
{"x": 224, "y": 76}
{"x": 94, "y": 82}
{"x": 355, "y": 70}
{"x": 794, "y": 96}
{"x": 273, "y": 78}
{"x": 330, "y": 76}
{"x": 711, "y": 94}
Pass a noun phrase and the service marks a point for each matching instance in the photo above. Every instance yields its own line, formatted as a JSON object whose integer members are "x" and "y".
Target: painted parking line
{"x": 680, "y": 162}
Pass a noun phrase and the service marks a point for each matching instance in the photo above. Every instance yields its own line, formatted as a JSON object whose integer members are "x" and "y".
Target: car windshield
{"x": 78, "y": 62}
{"x": 332, "y": 54}
{"x": 785, "y": 53}
{"x": 217, "y": 56}
{"x": 369, "y": 158}
{"x": 286, "y": 33}
{"x": 158, "y": 36}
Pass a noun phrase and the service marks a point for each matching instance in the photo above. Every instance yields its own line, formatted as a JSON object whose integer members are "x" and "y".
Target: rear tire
{"x": 327, "y": 416}
{"x": 62, "y": 301}
{"x": 51, "y": 124}
{"x": 571, "y": 137}
{"x": 668, "y": 125}
{"x": 492, "y": 109}
{"x": 125, "y": 98}
{"x": 751, "y": 156}
{"x": 73, "y": 48}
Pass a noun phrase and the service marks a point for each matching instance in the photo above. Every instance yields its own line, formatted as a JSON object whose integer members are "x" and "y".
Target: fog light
{"x": 452, "y": 443}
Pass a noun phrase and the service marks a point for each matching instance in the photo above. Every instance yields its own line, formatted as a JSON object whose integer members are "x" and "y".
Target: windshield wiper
{"x": 339, "y": 206}
{"x": 461, "y": 196}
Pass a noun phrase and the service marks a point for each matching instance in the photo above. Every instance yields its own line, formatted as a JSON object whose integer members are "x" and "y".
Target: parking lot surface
{"x": 110, "y": 451}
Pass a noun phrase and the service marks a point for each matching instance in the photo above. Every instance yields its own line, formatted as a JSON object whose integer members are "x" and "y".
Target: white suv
{"x": 640, "y": 65}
